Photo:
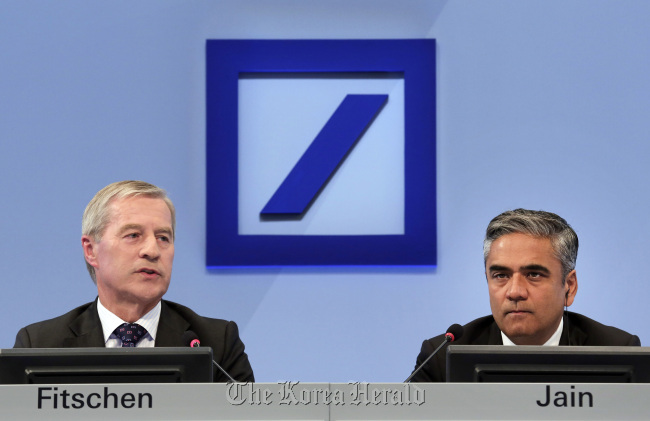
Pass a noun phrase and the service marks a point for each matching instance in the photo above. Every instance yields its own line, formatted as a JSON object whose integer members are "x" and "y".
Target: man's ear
{"x": 571, "y": 287}
{"x": 89, "y": 247}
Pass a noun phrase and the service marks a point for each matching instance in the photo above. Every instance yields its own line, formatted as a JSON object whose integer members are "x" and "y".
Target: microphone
{"x": 454, "y": 333}
{"x": 191, "y": 339}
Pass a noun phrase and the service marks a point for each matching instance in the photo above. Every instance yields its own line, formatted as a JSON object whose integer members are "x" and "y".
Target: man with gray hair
{"x": 530, "y": 259}
{"x": 128, "y": 232}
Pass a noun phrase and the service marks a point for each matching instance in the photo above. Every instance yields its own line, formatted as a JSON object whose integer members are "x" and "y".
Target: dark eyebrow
{"x": 535, "y": 268}
{"x": 499, "y": 268}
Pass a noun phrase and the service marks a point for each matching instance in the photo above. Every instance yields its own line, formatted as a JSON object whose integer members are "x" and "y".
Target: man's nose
{"x": 150, "y": 249}
{"x": 517, "y": 288}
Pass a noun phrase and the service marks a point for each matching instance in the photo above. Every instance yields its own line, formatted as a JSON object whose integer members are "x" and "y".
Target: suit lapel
{"x": 494, "y": 337}
{"x": 170, "y": 328}
{"x": 572, "y": 334}
{"x": 86, "y": 330}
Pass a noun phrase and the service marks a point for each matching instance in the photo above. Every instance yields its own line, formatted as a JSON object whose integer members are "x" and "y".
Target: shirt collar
{"x": 554, "y": 340}
{"x": 110, "y": 321}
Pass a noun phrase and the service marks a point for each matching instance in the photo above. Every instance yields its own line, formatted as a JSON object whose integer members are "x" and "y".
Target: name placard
{"x": 327, "y": 401}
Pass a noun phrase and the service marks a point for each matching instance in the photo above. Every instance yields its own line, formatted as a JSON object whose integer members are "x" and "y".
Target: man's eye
{"x": 500, "y": 276}
{"x": 534, "y": 275}
{"x": 164, "y": 238}
{"x": 133, "y": 235}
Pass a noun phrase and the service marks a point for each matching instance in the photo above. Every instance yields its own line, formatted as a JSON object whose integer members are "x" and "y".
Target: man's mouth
{"x": 517, "y": 311}
{"x": 148, "y": 271}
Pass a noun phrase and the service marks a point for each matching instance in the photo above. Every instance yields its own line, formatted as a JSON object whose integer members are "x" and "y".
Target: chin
{"x": 517, "y": 334}
{"x": 152, "y": 295}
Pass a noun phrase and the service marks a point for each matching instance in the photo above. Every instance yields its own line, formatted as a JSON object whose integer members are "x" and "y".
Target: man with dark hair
{"x": 128, "y": 232}
{"x": 530, "y": 259}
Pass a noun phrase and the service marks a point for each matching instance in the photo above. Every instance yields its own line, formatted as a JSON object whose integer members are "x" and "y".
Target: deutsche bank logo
{"x": 320, "y": 152}
{"x": 324, "y": 155}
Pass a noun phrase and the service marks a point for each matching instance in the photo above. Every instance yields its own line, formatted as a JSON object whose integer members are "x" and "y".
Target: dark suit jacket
{"x": 578, "y": 331}
{"x": 81, "y": 328}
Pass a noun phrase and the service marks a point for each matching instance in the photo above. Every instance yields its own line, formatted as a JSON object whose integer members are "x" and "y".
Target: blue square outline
{"x": 226, "y": 60}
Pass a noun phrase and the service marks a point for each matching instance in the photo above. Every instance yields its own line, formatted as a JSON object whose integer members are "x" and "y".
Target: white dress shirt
{"x": 110, "y": 322}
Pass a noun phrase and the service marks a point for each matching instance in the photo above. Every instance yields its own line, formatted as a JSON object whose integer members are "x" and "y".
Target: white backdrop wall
{"x": 541, "y": 104}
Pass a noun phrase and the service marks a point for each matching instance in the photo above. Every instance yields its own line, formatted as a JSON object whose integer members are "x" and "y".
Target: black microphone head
{"x": 455, "y": 332}
{"x": 191, "y": 339}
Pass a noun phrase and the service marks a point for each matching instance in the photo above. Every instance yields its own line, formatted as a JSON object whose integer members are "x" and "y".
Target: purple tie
{"x": 130, "y": 334}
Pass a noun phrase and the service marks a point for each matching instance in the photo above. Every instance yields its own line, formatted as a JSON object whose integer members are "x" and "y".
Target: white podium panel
{"x": 494, "y": 401}
{"x": 326, "y": 401}
{"x": 189, "y": 401}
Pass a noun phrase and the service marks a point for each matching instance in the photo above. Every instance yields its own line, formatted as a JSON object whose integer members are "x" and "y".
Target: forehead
{"x": 139, "y": 209}
{"x": 522, "y": 249}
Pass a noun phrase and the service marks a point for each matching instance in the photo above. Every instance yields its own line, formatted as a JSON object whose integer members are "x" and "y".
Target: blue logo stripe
{"x": 330, "y": 148}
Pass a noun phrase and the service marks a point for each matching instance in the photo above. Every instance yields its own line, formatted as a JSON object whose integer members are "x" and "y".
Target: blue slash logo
{"x": 325, "y": 154}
